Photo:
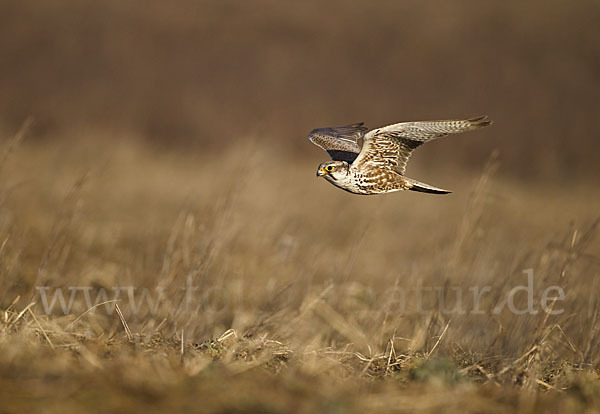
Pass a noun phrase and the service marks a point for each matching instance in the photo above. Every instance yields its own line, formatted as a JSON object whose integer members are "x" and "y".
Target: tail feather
{"x": 414, "y": 185}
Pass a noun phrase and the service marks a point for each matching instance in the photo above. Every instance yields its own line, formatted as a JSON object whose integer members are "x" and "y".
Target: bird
{"x": 374, "y": 162}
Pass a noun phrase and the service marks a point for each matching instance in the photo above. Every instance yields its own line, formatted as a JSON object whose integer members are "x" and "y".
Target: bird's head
{"x": 333, "y": 170}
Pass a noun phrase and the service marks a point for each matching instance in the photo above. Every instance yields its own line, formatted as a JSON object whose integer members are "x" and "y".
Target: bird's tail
{"x": 414, "y": 185}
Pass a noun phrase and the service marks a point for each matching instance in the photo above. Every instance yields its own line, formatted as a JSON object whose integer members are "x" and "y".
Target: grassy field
{"x": 236, "y": 281}
{"x": 165, "y": 244}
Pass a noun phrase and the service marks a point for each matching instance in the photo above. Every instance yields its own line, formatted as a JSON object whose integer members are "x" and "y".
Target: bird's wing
{"x": 391, "y": 146}
{"x": 340, "y": 142}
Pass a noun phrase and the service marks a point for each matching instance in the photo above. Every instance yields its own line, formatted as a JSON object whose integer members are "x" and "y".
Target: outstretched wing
{"x": 391, "y": 146}
{"x": 340, "y": 142}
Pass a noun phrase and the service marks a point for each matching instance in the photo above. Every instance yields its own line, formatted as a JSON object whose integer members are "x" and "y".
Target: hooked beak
{"x": 321, "y": 172}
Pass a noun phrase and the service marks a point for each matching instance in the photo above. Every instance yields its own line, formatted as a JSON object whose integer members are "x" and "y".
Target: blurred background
{"x": 206, "y": 75}
{"x": 169, "y": 148}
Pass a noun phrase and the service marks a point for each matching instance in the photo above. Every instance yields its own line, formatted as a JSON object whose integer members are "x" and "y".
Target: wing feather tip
{"x": 480, "y": 121}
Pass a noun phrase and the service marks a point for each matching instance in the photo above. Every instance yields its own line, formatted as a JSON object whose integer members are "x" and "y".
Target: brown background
{"x": 218, "y": 72}
{"x": 169, "y": 149}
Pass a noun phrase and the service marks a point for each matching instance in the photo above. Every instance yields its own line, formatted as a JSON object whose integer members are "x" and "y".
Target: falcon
{"x": 374, "y": 162}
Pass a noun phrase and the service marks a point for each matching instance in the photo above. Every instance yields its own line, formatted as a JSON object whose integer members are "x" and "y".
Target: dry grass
{"x": 303, "y": 295}
{"x": 262, "y": 288}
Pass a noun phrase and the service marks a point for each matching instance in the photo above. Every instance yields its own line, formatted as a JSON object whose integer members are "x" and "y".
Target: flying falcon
{"x": 378, "y": 167}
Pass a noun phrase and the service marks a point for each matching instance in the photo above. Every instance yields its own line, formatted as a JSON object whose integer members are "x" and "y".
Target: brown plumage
{"x": 379, "y": 165}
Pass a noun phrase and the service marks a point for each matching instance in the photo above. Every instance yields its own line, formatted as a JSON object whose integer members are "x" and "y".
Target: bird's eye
{"x": 329, "y": 168}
